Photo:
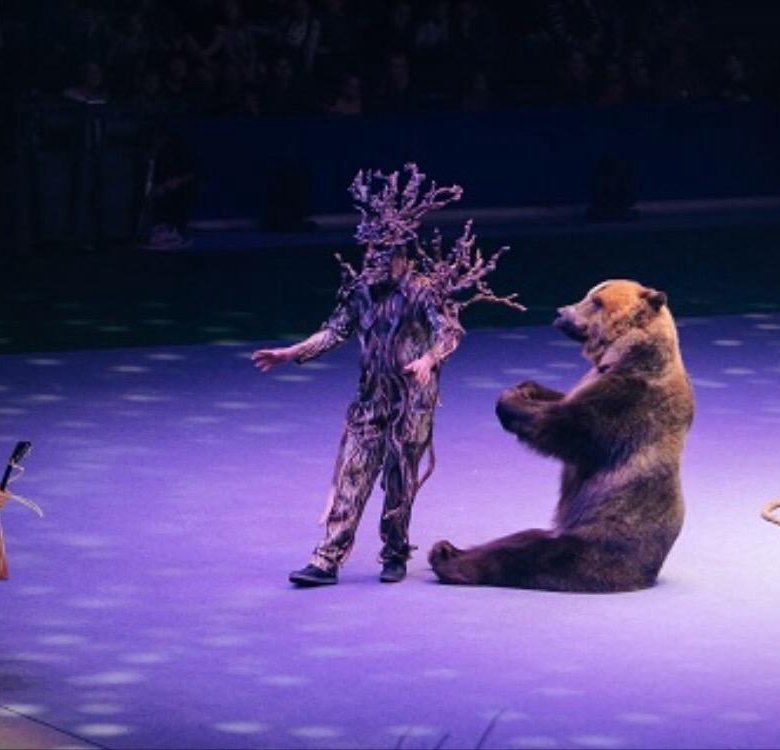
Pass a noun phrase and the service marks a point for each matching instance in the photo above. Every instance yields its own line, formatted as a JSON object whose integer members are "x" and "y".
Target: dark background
{"x": 547, "y": 106}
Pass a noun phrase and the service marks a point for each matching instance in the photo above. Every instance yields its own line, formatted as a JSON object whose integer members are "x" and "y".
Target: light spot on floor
{"x": 316, "y": 732}
{"x": 286, "y": 680}
{"x": 103, "y": 730}
{"x": 108, "y": 678}
{"x": 241, "y": 727}
{"x": 533, "y": 742}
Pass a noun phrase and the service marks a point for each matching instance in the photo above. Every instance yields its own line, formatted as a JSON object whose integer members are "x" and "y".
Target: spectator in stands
{"x": 255, "y": 89}
{"x": 612, "y": 87}
{"x": 284, "y": 94}
{"x": 576, "y": 82}
{"x": 473, "y": 37}
{"x": 160, "y": 22}
{"x": 171, "y": 41}
{"x": 298, "y": 35}
{"x": 433, "y": 56}
{"x": 205, "y": 93}
{"x": 476, "y": 95}
{"x": 349, "y": 97}
{"x": 734, "y": 85}
{"x": 640, "y": 87}
{"x": 577, "y": 24}
{"x": 231, "y": 91}
{"x": 394, "y": 92}
{"x": 171, "y": 190}
{"x": 234, "y": 43}
{"x": 176, "y": 85}
{"x": 394, "y": 30}
{"x": 669, "y": 22}
{"x": 679, "y": 78}
{"x": 264, "y": 18}
{"x": 250, "y": 104}
{"x": 536, "y": 51}
{"x": 530, "y": 61}
{"x": 432, "y": 34}
{"x": 149, "y": 99}
{"x": 202, "y": 31}
{"x": 90, "y": 35}
{"x": 129, "y": 54}
{"x": 90, "y": 87}
{"x": 337, "y": 38}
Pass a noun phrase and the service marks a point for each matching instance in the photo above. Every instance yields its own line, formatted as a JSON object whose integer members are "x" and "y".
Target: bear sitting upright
{"x": 620, "y": 433}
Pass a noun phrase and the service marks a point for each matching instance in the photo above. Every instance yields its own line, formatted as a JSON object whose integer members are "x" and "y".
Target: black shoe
{"x": 311, "y": 575}
{"x": 393, "y": 571}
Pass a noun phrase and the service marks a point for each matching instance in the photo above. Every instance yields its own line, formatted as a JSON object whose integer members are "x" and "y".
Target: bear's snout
{"x": 566, "y": 322}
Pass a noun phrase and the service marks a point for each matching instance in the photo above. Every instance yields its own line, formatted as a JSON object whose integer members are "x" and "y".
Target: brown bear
{"x": 620, "y": 432}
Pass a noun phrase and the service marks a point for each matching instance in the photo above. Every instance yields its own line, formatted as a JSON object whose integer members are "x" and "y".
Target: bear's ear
{"x": 655, "y": 299}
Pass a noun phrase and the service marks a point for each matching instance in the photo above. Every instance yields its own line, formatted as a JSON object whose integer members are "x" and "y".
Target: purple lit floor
{"x": 150, "y": 607}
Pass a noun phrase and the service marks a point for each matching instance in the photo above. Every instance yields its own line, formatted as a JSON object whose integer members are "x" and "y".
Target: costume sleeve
{"x": 334, "y": 331}
{"x": 445, "y": 326}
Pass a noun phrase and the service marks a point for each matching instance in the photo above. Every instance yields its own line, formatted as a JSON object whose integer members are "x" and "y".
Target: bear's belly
{"x": 636, "y": 496}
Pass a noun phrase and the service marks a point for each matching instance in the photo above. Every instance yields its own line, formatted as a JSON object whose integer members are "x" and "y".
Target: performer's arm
{"x": 334, "y": 331}
{"x": 447, "y": 335}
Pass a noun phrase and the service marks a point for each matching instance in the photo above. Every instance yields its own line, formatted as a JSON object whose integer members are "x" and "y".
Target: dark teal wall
{"x": 516, "y": 158}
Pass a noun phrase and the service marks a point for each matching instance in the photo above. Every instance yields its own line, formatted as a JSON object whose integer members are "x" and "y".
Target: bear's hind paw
{"x": 441, "y": 552}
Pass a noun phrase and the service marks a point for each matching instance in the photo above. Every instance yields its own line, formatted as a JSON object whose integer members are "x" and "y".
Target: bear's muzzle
{"x": 566, "y": 323}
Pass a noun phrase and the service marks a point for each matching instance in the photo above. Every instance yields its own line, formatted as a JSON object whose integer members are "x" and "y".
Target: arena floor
{"x": 150, "y": 607}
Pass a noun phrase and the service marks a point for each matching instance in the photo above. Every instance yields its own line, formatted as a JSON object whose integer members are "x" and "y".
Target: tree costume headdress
{"x": 391, "y": 214}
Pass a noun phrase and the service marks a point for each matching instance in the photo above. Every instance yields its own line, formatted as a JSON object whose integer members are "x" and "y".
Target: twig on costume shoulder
{"x": 347, "y": 269}
{"x": 463, "y": 268}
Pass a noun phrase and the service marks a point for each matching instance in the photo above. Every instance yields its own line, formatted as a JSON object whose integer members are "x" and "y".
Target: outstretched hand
{"x": 4, "y": 497}
{"x": 265, "y": 359}
{"x": 420, "y": 369}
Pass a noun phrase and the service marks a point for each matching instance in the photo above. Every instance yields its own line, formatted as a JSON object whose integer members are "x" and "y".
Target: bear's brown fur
{"x": 620, "y": 433}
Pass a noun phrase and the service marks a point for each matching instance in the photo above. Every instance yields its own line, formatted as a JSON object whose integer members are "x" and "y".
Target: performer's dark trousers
{"x": 372, "y": 443}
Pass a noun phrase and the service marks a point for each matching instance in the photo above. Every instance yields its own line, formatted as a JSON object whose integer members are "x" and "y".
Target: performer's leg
{"x": 357, "y": 467}
{"x": 399, "y": 481}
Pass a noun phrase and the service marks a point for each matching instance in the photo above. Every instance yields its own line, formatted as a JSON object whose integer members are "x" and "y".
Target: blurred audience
{"x": 734, "y": 84}
{"x": 171, "y": 191}
{"x": 89, "y": 89}
{"x": 288, "y": 57}
{"x": 349, "y": 97}
{"x": 394, "y": 92}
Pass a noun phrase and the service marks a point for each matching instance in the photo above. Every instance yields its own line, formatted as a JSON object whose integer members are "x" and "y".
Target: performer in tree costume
{"x": 405, "y": 312}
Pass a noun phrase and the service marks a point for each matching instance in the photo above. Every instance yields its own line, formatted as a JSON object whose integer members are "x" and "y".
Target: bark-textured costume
{"x": 401, "y": 310}
{"x": 389, "y": 423}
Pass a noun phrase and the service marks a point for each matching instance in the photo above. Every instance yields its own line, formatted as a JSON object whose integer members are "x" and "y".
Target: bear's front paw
{"x": 441, "y": 552}
{"x": 527, "y": 389}
{"x": 530, "y": 390}
{"x": 515, "y": 413}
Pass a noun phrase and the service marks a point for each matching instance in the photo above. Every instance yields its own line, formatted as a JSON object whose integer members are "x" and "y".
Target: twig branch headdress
{"x": 390, "y": 216}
